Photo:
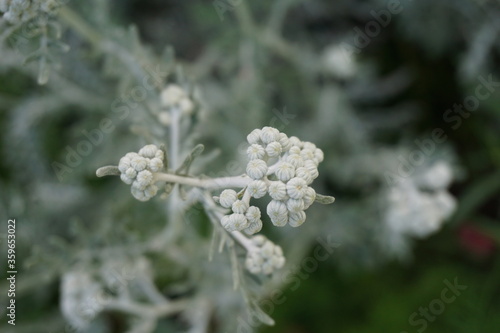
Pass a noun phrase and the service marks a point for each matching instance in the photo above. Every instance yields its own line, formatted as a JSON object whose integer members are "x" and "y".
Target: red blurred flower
{"x": 476, "y": 241}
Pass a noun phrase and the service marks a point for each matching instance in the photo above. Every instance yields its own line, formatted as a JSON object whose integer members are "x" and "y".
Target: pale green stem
{"x": 210, "y": 183}
{"x": 244, "y": 241}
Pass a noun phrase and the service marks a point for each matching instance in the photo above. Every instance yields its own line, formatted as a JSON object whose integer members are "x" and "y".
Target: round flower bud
{"x": 234, "y": 222}
{"x": 275, "y": 261}
{"x": 186, "y": 106}
{"x": 273, "y": 149}
{"x": 307, "y": 154}
{"x": 269, "y": 134}
{"x": 278, "y": 252}
{"x": 253, "y": 227}
{"x": 258, "y": 240}
{"x": 278, "y": 213}
{"x": 267, "y": 268}
{"x": 296, "y": 188}
{"x": 238, "y": 222}
{"x": 314, "y": 173}
{"x": 304, "y": 174}
{"x": 296, "y": 160}
{"x": 254, "y": 136}
{"x": 131, "y": 173}
{"x": 294, "y": 141}
{"x": 159, "y": 154}
{"x": 253, "y": 214}
{"x": 297, "y": 219}
{"x": 144, "y": 178}
{"x": 145, "y": 193}
{"x": 139, "y": 186}
{"x": 308, "y": 145}
{"x": 225, "y": 221}
{"x": 284, "y": 142}
{"x": 171, "y": 95}
{"x": 257, "y": 258}
{"x": 267, "y": 249}
{"x": 285, "y": 171}
{"x": 310, "y": 165}
{"x": 148, "y": 151}
{"x": 239, "y": 207}
{"x": 155, "y": 164}
{"x": 164, "y": 118}
{"x": 126, "y": 179}
{"x": 295, "y": 205}
{"x": 318, "y": 155}
{"x": 294, "y": 150}
{"x": 277, "y": 190}
{"x": 227, "y": 198}
{"x": 256, "y": 152}
{"x": 254, "y": 263}
{"x": 151, "y": 191}
{"x": 124, "y": 163}
{"x": 139, "y": 163}
{"x": 279, "y": 263}
{"x": 257, "y": 189}
{"x": 139, "y": 194}
{"x": 309, "y": 197}
{"x": 256, "y": 169}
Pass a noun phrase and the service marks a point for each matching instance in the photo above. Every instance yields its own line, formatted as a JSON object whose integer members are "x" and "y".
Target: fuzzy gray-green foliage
{"x": 245, "y": 73}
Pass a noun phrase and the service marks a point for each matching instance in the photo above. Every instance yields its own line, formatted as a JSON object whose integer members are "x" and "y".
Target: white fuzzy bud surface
{"x": 283, "y": 167}
{"x": 256, "y": 152}
{"x": 253, "y": 214}
{"x": 137, "y": 170}
{"x": 269, "y": 134}
{"x": 296, "y": 188}
{"x": 273, "y": 149}
{"x": 256, "y": 169}
{"x": 257, "y": 189}
{"x": 254, "y": 136}
{"x": 239, "y": 207}
{"x": 277, "y": 190}
{"x": 227, "y": 198}
{"x": 235, "y": 222}
{"x": 297, "y": 219}
{"x": 278, "y": 213}
{"x": 285, "y": 171}
{"x": 266, "y": 258}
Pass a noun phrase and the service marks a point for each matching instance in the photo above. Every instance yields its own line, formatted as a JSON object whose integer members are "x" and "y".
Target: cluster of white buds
{"x": 16, "y": 11}
{"x": 282, "y": 167}
{"x": 173, "y": 96}
{"x": 244, "y": 217}
{"x": 138, "y": 168}
{"x": 81, "y": 298}
{"x": 265, "y": 256}
{"x": 420, "y": 205}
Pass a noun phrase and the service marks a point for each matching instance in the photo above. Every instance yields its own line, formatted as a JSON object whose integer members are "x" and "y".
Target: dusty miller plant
{"x": 119, "y": 276}
{"x": 139, "y": 249}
